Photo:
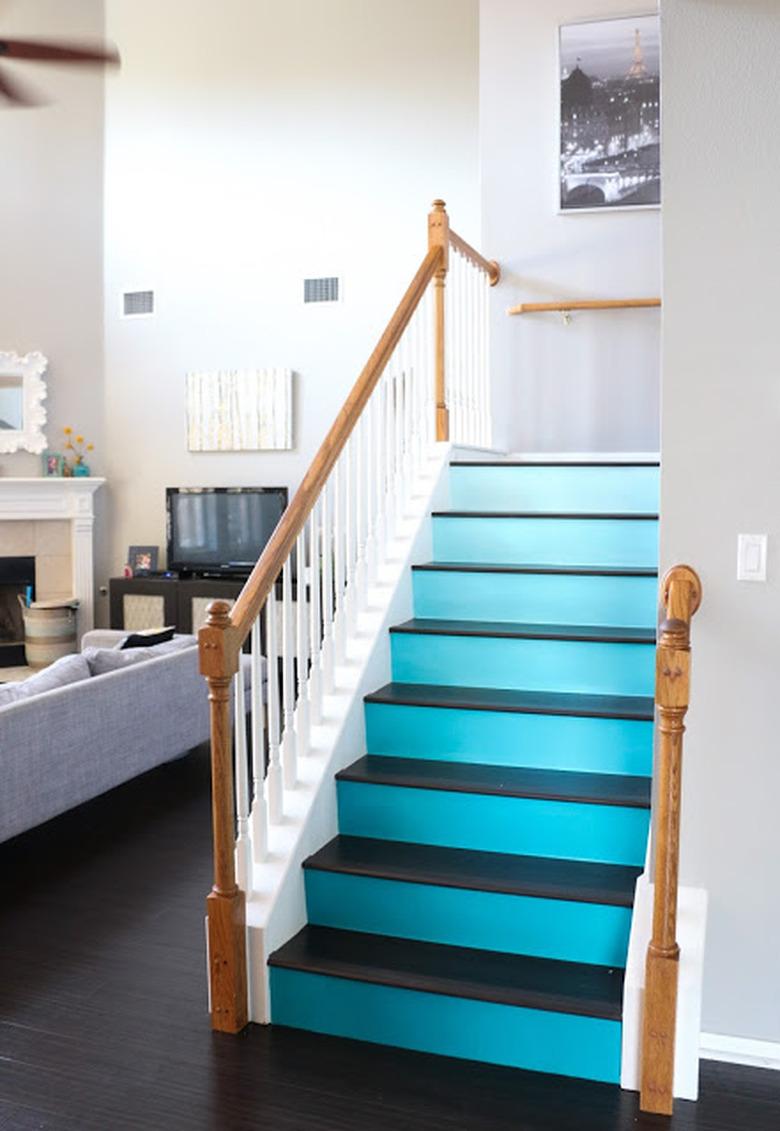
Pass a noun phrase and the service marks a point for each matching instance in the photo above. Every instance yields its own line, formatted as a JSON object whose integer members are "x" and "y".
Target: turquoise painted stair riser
{"x": 506, "y": 738}
{"x": 540, "y": 1040}
{"x": 588, "y": 489}
{"x": 536, "y": 598}
{"x": 581, "y": 666}
{"x": 611, "y": 834}
{"x": 546, "y": 541}
{"x": 518, "y": 924}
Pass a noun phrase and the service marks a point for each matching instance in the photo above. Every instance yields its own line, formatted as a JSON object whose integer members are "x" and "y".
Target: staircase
{"x": 477, "y": 901}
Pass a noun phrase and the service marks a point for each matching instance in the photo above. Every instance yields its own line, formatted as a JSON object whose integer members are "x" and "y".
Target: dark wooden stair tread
{"x": 521, "y": 567}
{"x": 504, "y": 781}
{"x": 538, "y": 876}
{"x": 607, "y": 634}
{"x": 640, "y": 707}
{"x": 484, "y": 975}
{"x": 640, "y": 516}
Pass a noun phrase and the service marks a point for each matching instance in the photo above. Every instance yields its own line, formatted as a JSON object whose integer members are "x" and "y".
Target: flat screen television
{"x": 220, "y": 529}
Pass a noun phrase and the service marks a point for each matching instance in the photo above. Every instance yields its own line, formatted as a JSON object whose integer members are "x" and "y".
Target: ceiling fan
{"x": 38, "y": 51}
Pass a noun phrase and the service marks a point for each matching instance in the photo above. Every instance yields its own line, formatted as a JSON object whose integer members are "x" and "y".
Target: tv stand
{"x": 151, "y": 602}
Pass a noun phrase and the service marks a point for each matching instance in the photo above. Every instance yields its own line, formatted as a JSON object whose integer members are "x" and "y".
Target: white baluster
{"x": 470, "y": 370}
{"x": 451, "y": 355}
{"x": 274, "y": 753}
{"x": 338, "y": 563}
{"x": 350, "y": 612}
{"x": 302, "y": 647}
{"x": 380, "y": 501}
{"x": 315, "y": 630}
{"x": 289, "y": 744}
{"x": 243, "y": 853}
{"x": 361, "y": 486}
{"x": 327, "y": 655}
{"x": 258, "y": 816}
{"x": 408, "y": 465}
{"x": 370, "y": 440}
{"x": 484, "y": 353}
{"x": 464, "y": 431}
{"x": 389, "y": 454}
{"x": 398, "y": 438}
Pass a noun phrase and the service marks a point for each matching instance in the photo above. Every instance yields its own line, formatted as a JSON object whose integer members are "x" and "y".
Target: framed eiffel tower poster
{"x": 610, "y": 114}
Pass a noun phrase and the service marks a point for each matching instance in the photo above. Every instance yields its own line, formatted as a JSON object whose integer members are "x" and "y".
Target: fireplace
{"x": 17, "y": 576}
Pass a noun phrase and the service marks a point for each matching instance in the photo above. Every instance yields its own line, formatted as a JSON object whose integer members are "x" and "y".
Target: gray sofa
{"x": 67, "y": 745}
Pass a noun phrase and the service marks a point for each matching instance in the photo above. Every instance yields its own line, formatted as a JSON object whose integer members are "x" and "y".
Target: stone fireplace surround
{"x": 52, "y": 520}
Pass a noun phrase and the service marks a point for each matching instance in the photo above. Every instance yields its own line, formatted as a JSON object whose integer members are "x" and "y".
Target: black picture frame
{"x": 143, "y": 559}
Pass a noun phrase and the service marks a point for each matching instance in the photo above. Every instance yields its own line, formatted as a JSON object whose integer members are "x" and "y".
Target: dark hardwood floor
{"x": 103, "y": 1023}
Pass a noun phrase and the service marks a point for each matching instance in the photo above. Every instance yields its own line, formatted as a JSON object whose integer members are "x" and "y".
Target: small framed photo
{"x": 53, "y": 464}
{"x": 142, "y": 559}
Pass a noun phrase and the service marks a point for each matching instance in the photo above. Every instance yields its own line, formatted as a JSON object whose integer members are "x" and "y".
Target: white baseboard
{"x": 740, "y": 1050}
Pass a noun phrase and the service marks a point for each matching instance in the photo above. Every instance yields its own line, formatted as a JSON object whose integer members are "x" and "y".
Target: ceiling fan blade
{"x": 16, "y": 92}
{"x": 39, "y": 52}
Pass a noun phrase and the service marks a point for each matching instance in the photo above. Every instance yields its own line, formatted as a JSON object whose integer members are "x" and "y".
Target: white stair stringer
{"x": 276, "y": 907}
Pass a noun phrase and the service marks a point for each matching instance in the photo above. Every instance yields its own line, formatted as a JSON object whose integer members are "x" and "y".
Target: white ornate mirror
{"x": 22, "y": 393}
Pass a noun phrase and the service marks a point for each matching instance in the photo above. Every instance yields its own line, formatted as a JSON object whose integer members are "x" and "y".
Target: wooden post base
{"x": 658, "y": 1031}
{"x": 442, "y": 423}
{"x": 227, "y": 960}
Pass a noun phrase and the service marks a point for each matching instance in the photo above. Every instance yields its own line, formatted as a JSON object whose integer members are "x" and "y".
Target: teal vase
{"x": 81, "y": 469}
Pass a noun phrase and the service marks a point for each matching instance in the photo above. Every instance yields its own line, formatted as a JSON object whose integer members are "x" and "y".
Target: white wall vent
{"x": 321, "y": 290}
{"x": 135, "y": 303}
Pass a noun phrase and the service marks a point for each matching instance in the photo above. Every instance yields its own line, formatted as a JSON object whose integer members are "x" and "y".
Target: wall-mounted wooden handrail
{"x": 680, "y": 598}
{"x": 489, "y": 266}
{"x": 567, "y": 305}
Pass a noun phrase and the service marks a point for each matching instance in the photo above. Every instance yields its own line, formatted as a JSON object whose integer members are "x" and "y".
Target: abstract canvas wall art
{"x": 240, "y": 410}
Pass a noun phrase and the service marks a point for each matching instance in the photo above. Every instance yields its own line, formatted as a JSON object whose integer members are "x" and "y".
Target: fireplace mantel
{"x": 41, "y": 499}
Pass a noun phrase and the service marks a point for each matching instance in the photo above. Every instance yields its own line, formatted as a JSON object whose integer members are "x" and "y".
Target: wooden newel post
{"x": 439, "y": 236}
{"x": 225, "y": 904}
{"x": 681, "y": 590}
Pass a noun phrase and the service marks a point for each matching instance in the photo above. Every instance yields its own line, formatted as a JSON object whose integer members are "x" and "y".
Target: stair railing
{"x": 426, "y": 380}
{"x": 680, "y": 598}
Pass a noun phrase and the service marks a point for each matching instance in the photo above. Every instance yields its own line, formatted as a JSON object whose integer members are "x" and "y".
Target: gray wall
{"x": 721, "y": 471}
{"x": 51, "y": 225}
{"x": 592, "y": 385}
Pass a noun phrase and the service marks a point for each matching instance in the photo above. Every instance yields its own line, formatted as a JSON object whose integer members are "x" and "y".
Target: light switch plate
{"x": 751, "y": 557}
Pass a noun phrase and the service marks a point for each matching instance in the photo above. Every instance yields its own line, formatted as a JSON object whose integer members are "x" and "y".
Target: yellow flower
{"x": 79, "y": 439}
{"x": 90, "y": 447}
{"x": 69, "y": 446}
{"x": 67, "y": 431}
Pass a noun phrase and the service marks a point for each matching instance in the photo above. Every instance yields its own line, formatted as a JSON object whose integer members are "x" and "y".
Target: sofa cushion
{"x": 68, "y": 669}
{"x": 103, "y": 660}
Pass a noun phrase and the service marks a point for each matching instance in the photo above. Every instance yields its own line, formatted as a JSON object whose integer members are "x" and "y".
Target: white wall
{"x": 245, "y": 148}
{"x": 721, "y": 470}
{"x": 51, "y": 224}
{"x": 593, "y": 385}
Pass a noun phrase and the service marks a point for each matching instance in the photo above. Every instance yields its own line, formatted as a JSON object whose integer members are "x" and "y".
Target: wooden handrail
{"x": 489, "y": 266}
{"x": 566, "y": 305}
{"x": 680, "y": 598}
{"x": 222, "y": 637}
